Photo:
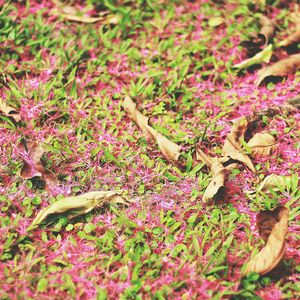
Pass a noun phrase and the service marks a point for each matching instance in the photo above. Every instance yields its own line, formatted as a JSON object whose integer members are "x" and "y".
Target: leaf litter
{"x": 219, "y": 166}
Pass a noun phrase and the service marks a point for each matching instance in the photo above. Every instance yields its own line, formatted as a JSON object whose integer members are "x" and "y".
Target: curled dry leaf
{"x": 215, "y": 188}
{"x": 267, "y": 29}
{"x": 79, "y": 204}
{"x": 274, "y": 182}
{"x": 262, "y": 144}
{"x": 9, "y": 111}
{"x": 32, "y": 165}
{"x": 169, "y": 149}
{"x": 280, "y": 69}
{"x": 263, "y": 37}
{"x": 232, "y": 146}
{"x": 272, "y": 226}
{"x": 263, "y": 56}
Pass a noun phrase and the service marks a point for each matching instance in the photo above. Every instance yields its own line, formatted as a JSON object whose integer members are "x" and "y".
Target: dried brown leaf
{"x": 32, "y": 165}
{"x": 281, "y": 68}
{"x": 200, "y": 155}
{"x": 267, "y": 29}
{"x": 135, "y": 115}
{"x": 169, "y": 149}
{"x": 295, "y": 36}
{"x": 262, "y": 144}
{"x": 9, "y": 111}
{"x": 291, "y": 39}
{"x": 232, "y": 146}
{"x": 262, "y": 38}
{"x": 272, "y": 226}
{"x": 215, "y": 189}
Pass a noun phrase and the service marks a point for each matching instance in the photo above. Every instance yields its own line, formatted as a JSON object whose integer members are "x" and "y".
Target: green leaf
{"x": 158, "y": 230}
{"x": 101, "y": 294}
{"x": 89, "y": 227}
{"x": 36, "y": 200}
{"x": 42, "y": 284}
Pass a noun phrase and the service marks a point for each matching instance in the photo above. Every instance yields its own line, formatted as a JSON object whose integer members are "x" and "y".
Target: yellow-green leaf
{"x": 81, "y": 204}
{"x": 263, "y": 56}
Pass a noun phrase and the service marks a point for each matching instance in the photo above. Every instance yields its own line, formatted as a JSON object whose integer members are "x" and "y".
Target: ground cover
{"x": 64, "y": 132}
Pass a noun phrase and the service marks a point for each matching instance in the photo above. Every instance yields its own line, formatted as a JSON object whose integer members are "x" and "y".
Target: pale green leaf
{"x": 260, "y": 57}
{"x": 216, "y": 21}
{"x": 81, "y": 204}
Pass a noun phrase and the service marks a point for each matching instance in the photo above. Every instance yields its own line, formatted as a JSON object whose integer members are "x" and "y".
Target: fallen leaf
{"x": 215, "y": 22}
{"x": 81, "y": 204}
{"x": 295, "y": 36}
{"x": 232, "y": 145}
{"x": 169, "y": 149}
{"x": 260, "y": 57}
{"x": 267, "y": 29}
{"x": 89, "y": 20}
{"x": 262, "y": 144}
{"x": 272, "y": 226}
{"x": 135, "y": 115}
{"x": 32, "y": 165}
{"x": 72, "y": 13}
{"x": 263, "y": 37}
{"x": 200, "y": 155}
{"x": 291, "y": 39}
{"x": 215, "y": 188}
{"x": 281, "y": 68}
{"x": 274, "y": 182}
{"x": 9, "y": 111}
